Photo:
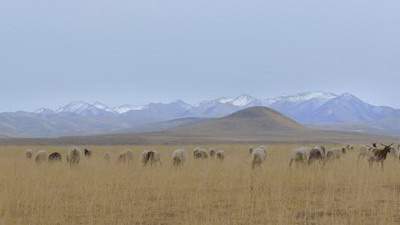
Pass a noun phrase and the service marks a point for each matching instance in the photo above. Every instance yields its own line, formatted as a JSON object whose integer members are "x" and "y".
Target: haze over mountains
{"x": 316, "y": 109}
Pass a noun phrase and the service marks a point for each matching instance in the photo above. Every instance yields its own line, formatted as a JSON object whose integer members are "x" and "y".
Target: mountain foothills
{"x": 314, "y": 109}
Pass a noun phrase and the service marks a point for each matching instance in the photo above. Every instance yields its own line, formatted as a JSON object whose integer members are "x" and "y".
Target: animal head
{"x": 387, "y": 148}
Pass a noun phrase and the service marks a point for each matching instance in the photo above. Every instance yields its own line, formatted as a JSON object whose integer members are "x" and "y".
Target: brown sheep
{"x": 29, "y": 154}
{"x": 150, "y": 157}
{"x": 55, "y": 157}
{"x": 220, "y": 155}
{"x": 200, "y": 153}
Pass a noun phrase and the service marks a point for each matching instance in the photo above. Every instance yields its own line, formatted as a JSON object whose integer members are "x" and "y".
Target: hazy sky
{"x": 137, "y": 51}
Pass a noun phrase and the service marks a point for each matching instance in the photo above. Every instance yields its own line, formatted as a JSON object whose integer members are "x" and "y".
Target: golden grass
{"x": 200, "y": 193}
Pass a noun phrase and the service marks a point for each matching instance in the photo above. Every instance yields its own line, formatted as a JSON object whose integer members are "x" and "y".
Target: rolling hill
{"x": 253, "y": 121}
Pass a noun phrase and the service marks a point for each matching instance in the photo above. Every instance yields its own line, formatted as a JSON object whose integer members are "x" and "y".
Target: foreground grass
{"x": 202, "y": 192}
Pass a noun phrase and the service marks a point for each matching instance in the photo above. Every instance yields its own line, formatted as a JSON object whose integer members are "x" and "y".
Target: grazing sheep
{"x": 178, "y": 157}
{"x": 29, "y": 154}
{"x": 349, "y": 147}
{"x": 299, "y": 156}
{"x": 379, "y": 155}
{"x": 150, "y": 157}
{"x": 365, "y": 151}
{"x": 55, "y": 157}
{"x": 41, "y": 157}
{"x": 220, "y": 155}
{"x": 125, "y": 157}
{"x": 74, "y": 156}
{"x": 87, "y": 153}
{"x": 251, "y": 149}
{"x": 107, "y": 157}
{"x": 200, "y": 153}
{"x": 316, "y": 154}
{"x": 335, "y": 153}
{"x": 212, "y": 153}
{"x": 258, "y": 157}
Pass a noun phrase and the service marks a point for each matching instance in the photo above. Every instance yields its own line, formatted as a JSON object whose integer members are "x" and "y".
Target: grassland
{"x": 201, "y": 193}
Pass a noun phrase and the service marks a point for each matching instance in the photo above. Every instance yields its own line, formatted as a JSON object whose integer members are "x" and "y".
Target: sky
{"x": 135, "y": 51}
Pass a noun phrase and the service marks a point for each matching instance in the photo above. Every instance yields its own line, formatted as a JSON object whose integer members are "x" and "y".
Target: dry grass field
{"x": 200, "y": 193}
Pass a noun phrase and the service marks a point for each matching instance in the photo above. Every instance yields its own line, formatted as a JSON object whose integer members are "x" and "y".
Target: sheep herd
{"x": 148, "y": 157}
{"x": 258, "y": 155}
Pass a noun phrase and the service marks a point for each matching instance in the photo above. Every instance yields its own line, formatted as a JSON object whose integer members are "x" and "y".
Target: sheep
{"x": 316, "y": 153}
{"x": 258, "y": 157}
{"x": 150, "y": 157}
{"x": 365, "y": 151}
{"x": 349, "y": 147}
{"x": 379, "y": 155}
{"x": 87, "y": 153}
{"x": 178, "y": 157}
{"x": 299, "y": 155}
{"x": 335, "y": 153}
{"x": 29, "y": 154}
{"x": 251, "y": 150}
{"x": 212, "y": 153}
{"x": 396, "y": 152}
{"x": 200, "y": 153}
{"x": 107, "y": 157}
{"x": 55, "y": 157}
{"x": 220, "y": 155}
{"x": 74, "y": 156}
{"x": 41, "y": 157}
{"x": 125, "y": 157}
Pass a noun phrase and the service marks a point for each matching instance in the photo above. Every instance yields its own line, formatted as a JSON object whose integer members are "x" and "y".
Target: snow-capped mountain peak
{"x": 44, "y": 111}
{"x": 74, "y": 107}
{"x": 126, "y": 108}
{"x": 243, "y": 100}
{"x": 302, "y": 97}
{"x": 102, "y": 106}
{"x": 224, "y": 100}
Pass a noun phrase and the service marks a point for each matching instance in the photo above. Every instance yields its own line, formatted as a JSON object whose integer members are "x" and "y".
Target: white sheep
{"x": 178, "y": 157}
{"x": 125, "y": 157}
{"x": 335, "y": 153}
{"x": 41, "y": 157}
{"x": 74, "y": 156}
{"x": 258, "y": 156}
{"x": 299, "y": 156}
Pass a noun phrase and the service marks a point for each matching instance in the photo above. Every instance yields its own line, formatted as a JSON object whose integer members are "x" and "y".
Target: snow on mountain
{"x": 126, "y": 108}
{"x": 302, "y": 97}
{"x": 243, "y": 100}
{"x": 85, "y": 109}
{"x": 102, "y": 106}
{"x": 44, "y": 111}
{"x": 74, "y": 107}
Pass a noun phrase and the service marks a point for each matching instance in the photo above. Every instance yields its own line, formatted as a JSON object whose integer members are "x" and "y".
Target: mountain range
{"x": 320, "y": 110}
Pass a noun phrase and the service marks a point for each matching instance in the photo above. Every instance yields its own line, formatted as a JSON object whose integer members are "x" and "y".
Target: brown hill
{"x": 248, "y": 122}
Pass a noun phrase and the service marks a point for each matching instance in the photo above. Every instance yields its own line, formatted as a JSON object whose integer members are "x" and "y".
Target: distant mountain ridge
{"x": 317, "y": 109}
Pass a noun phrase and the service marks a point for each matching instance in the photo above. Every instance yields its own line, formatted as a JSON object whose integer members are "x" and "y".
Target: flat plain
{"x": 202, "y": 192}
